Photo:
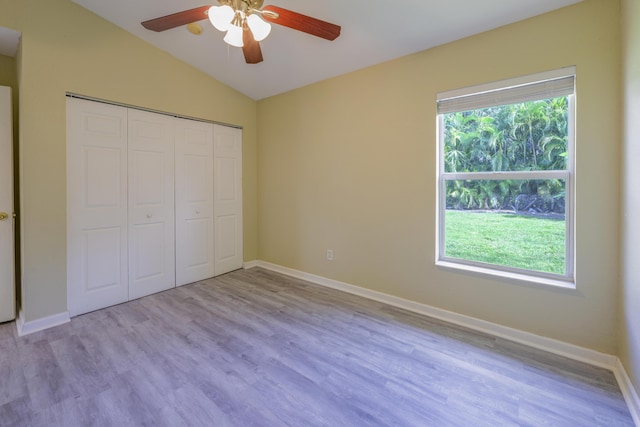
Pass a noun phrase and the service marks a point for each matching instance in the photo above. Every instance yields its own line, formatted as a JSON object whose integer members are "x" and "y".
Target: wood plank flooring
{"x": 255, "y": 348}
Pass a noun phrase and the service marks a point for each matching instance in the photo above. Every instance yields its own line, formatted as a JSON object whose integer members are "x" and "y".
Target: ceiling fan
{"x": 241, "y": 20}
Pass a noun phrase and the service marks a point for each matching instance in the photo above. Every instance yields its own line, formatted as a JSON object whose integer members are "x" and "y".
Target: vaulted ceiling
{"x": 373, "y": 31}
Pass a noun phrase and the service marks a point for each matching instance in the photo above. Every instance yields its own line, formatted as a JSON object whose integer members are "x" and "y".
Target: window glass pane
{"x": 527, "y": 136}
{"x": 511, "y": 223}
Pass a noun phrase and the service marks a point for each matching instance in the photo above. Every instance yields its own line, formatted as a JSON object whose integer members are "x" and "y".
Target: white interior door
{"x": 96, "y": 205}
{"x": 7, "y": 274}
{"x": 151, "y": 203}
{"x": 194, "y": 201}
{"x": 227, "y": 153}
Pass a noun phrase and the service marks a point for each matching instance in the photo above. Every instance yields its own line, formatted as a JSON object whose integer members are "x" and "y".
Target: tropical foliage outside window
{"x": 505, "y": 187}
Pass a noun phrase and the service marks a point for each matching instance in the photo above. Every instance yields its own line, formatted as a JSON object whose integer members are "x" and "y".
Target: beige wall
{"x": 68, "y": 49}
{"x": 349, "y": 164}
{"x": 630, "y": 296}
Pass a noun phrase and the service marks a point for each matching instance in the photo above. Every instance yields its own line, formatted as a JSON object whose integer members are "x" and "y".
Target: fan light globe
{"x": 234, "y": 36}
{"x": 221, "y": 16}
{"x": 259, "y": 28}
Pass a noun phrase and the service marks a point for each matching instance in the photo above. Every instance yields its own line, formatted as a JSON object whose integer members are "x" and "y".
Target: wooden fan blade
{"x": 177, "y": 19}
{"x": 251, "y": 48}
{"x": 300, "y": 22}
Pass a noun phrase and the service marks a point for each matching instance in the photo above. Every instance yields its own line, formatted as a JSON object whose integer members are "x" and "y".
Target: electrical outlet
{"x": 329, "y": 255}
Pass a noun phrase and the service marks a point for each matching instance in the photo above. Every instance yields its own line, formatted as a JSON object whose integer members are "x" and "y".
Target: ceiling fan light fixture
{"x": 234, "y": 36}
{"x": 221, "y": 17}
{"x": 235, "y": 18}
{"x": 259, "y": 28}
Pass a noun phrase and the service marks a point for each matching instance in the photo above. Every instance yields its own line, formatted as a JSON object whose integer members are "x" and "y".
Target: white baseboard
{"x": 571, "y": 351}
{"x": 250, "y": 264}
{"x": 25, "y": 328}
{"x": 628, "y": 391}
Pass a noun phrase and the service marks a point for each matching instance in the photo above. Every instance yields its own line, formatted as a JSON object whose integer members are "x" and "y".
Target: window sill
{"x": 506, "y": 275}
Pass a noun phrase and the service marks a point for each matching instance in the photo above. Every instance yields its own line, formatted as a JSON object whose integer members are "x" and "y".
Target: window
{"x": 505, "y": 178}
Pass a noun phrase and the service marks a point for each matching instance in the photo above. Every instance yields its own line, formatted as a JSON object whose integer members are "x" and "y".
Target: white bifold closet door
{"x": 97, "y": 249}
{"x": 194, "y": 201}
{"x": 227, "y": 152}
{"x": 153, "y": 201}
{"x": 150, "y": 203}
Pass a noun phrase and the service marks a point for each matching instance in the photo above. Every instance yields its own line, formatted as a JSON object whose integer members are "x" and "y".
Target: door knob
{"x": 149, "y": 216}
{"x": 3, "y": 216}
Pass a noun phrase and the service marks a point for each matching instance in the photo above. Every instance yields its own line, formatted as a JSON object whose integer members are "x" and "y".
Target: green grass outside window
{"x": 522, "y": 241}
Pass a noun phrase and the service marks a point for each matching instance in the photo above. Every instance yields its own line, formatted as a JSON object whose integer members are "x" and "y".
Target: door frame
{"x": 7, "y": 225}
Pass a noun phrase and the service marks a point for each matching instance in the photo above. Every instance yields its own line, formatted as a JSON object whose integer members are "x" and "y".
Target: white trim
{"x": 628, "y": 391}
{"x": 441, "y": 190}
{"x": 551, "y": 345}
{"x": 503, "y": 175}
{"x": 570, "y": 193}
{"x": 25, "y": 328}
{"x": 512, "y": 82}
{"x": 250, "y": 264}
{"x": 507, "y": 95}
{"x": 136, "y": 107}
{"x": 520, "y": 275}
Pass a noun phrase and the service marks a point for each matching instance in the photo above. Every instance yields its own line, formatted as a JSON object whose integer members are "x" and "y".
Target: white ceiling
{"x": 373, "y": 31}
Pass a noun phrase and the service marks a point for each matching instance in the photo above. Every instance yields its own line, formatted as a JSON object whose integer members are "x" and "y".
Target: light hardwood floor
{"x": 255, "y": 348}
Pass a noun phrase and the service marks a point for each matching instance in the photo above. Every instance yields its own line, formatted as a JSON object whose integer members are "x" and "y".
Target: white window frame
{"x": 532, "y": 87}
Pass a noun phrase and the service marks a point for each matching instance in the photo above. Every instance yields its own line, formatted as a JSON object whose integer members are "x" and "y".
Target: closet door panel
{"x": 228, "y": 198}
{"x": 194, "y": 201}
{"x": 97, "y": 269}
{"x": 151, "y": 204}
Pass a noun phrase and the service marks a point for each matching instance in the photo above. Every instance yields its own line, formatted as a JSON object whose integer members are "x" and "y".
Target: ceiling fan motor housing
{"x": 246, "y": 6}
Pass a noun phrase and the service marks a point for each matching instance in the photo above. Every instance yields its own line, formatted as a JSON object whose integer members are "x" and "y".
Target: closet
{"x": 153, "y": 202}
